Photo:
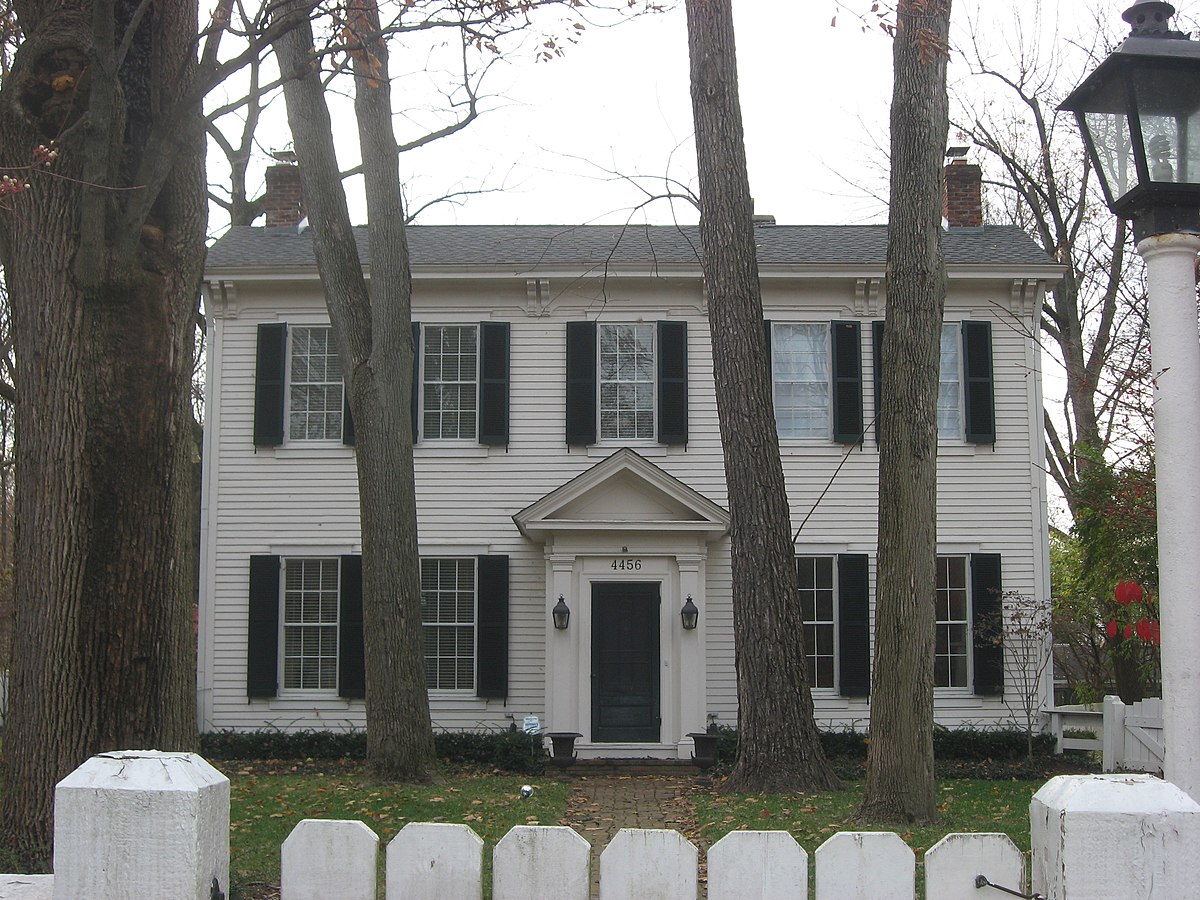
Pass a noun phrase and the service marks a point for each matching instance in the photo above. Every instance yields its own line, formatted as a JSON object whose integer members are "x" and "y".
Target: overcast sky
{"x": 815, "y": 106}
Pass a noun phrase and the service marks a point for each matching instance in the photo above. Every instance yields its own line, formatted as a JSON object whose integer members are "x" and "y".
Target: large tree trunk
{"x": 103, "y": 269}
{"x": 372, "y": 326}
{"x": 900, "y": 783}
{"x": 779, "y": 747}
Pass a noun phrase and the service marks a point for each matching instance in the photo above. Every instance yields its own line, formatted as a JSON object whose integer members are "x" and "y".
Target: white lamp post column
{"x": 1171, "y": 289}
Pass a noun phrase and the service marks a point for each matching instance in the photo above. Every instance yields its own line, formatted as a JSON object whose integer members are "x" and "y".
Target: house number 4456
{"x": 620, "y": 565}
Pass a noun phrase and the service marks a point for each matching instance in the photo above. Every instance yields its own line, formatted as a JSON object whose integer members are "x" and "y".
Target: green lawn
{"x": 265, "y": 807}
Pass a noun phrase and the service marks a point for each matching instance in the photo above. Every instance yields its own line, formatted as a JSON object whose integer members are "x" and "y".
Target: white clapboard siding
{"x": 305, "y": 497}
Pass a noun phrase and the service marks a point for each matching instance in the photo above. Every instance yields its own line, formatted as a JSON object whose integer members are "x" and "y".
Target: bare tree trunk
{"x": 103, "y": 269}
{"x": 779, "y": 747}
{"x": 900, "y": 783}
{"x": 372, "y": 326}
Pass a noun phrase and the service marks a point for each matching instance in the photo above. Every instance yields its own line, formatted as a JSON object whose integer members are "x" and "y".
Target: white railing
{"x": 155, "y": 826}
{"x": 1133, "y": 736}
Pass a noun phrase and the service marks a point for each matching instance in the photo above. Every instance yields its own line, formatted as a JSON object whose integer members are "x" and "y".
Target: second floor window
{"x": 450, "y": 371}
{"x": 314, "y": 385}
{"x": 626, "y": 382}
{"x": 949, "y": 417}
{"x": 800, "y": 366}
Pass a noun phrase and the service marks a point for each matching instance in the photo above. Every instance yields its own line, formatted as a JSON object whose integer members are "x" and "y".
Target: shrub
{"x": 508, "y": 751}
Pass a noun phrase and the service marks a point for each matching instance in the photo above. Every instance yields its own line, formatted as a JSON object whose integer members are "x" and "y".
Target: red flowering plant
{"x": 1136, "y": 617}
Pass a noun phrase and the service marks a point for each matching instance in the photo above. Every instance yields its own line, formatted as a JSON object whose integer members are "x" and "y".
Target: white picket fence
{"x": 1130, "y": 737}
{"x": 155, "y": 826}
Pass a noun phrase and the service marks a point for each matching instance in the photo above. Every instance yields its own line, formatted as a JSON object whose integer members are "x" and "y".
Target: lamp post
{"x": 1140, "y": 117}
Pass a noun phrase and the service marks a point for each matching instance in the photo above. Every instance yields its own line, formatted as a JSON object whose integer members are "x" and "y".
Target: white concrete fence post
{"x": 1129, "y": 836}
{"x": 649, "y": 862}
{"x": 534, "y": 861}
{"x": 325, "y": 858}
{"x": 954, "y": 862}
{"x": 144, "y": 824}
{"x": 757, "y": 865}
{"x": 875, "y": 864}
{"x": 435, "y": 861}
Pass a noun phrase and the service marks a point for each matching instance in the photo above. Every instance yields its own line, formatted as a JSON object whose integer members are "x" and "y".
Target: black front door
{"x": 625, "y": 663}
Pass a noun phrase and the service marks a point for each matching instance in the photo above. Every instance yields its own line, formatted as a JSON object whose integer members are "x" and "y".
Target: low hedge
{"x": 508, "y": 751}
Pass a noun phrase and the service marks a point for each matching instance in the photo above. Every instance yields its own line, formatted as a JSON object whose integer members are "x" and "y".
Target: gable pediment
{"x": 625, "y": 491}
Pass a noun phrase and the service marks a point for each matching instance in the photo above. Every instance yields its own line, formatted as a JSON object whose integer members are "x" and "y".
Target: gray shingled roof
{"x": 525, "y": 247}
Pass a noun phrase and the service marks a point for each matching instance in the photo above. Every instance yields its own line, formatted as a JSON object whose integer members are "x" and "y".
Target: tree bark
{"x": 900, "y": 784}
{"x": 103, "y": 266}
{"x": 374, "y": 336}
{"x": 779, "y": 747}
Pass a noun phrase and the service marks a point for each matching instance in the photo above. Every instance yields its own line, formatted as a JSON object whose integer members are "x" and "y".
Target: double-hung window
{"x": 450, "y": 375}
{"x": 315, "y": 403}
{"x": 448, "y": 592}
{"x": 816, "y": 586}
{"x": 949, "y": 402}
{"x": 800, "y": 364}
{"x": 952, "y": 644}
{"x": 626, "y": 382}
{"x": 304, "y": 625}
{"x": 310, "y": 624}
{"x": 816, "y": 375}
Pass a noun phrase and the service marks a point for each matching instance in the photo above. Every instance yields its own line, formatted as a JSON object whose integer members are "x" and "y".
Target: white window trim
{"x": 831, "y": 690}
{"x": 601, "y": 440}
{"x": 967, "y": 689}
{"x": 306, "y": 443}
{"x": 296, "y": 693}
{"x": 419, "y": 387}
{"x": 805, "y": 440}
{"x": 468, "y": 692}
{"x": 960, "y": 437}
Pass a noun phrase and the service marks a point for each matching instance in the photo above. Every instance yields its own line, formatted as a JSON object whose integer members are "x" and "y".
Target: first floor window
{"x": 627, "y": 384}
{"x": 314, "y": 385}
{"x": 800, "y": 368}
{"x": 450, "y": 374}
{"x": 448, "y": 615}
{"x": 949, "y": 415}
{"x": 310, "y": 624}
{"x": 817, "y": 602}
{"x": 952, "y": 645}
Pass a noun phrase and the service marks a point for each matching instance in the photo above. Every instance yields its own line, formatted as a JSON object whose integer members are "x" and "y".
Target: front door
{"x": 625, "y": 663}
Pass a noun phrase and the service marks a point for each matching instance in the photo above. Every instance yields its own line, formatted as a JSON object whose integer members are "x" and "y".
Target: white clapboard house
{"x": 568, "y": 456}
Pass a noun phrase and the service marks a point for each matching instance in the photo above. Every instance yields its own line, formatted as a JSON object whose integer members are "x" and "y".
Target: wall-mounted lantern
{"x": 690, "y": 614}
{"x": 561, "y": 614}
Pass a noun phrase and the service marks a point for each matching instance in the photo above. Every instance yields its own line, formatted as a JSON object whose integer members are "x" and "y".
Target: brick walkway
{"x": 600, "y": 805}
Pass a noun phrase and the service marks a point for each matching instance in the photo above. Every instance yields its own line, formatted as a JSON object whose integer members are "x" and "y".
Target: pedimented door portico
{"x": 625, "y": 528}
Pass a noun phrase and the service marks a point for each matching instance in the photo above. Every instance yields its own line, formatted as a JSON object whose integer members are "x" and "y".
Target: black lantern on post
{"x": 1140, "y": 117}
{"x": 690, "y": 615}
{"x": 561, "y": 614}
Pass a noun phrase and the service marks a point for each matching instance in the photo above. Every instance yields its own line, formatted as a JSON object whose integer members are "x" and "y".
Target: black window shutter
{"x": 672, "y": 383}
{"x": 581, "y": 383}
{"x": 767, "y": 337}
{"x": 978, "y": 390}
{"x": 854, "y": 625}
{"x": 987, "y": 626}
{"x": 493, "y": 382}
{"x": 347, "y": 419}
{"x": 270, "y": 365}
{"x": 415, "y": 399}
{"x": 352, "y": 677}
{"x": 491, "y": 664}
{"x": 262, "y": 631}
{"x": 847, "y": 383}
{"x": 877, "y": 369}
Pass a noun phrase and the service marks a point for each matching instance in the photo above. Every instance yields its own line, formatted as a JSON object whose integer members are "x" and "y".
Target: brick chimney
{"x": 283, "y": 203}
{"x": 963, "y": 204}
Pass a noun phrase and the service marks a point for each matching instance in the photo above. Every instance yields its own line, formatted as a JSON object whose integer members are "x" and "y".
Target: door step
{"x": 680, "y": 768}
